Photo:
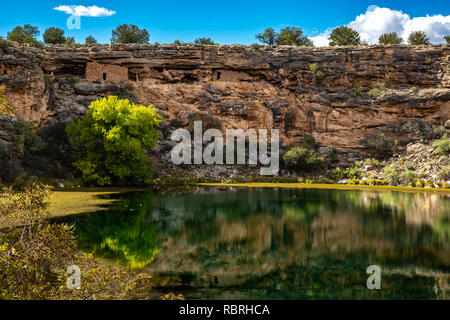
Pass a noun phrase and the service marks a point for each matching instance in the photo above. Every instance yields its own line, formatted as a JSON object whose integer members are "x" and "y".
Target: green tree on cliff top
{"x": 447, "y": 39}
{"x": 293, "y": 36}
{"x": 90, "y": 40}
{"x": 54, "y": 36}
{"x": 418, "y": 38}
{"x": 204, "y": 41}
{"x": 129, "y": 33}
{"x": 24, "y": 35}
{"x": 390, "y": 38}
{"x": 344, "y": 36}
{"x": 269, "y": 36}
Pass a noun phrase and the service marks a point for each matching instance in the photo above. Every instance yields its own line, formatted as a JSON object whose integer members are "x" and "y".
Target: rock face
{"x": 343, "y": 97}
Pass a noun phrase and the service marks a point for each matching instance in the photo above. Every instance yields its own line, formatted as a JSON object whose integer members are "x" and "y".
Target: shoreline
{"x": 67, "y": 202}
{"x": 326, "y": 186}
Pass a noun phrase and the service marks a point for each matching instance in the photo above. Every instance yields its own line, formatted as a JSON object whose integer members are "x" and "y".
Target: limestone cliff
{"x": 340, "y": 96}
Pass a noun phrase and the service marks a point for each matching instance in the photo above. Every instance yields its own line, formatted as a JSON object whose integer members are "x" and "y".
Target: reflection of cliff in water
{"x": 289, "y": 239}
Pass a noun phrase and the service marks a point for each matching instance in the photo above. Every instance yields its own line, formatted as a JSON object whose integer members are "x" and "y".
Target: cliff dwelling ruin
{"x": 106, "y": 72}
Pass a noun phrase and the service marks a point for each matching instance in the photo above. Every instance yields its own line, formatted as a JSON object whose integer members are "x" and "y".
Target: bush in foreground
{"x": 35, "y": 256}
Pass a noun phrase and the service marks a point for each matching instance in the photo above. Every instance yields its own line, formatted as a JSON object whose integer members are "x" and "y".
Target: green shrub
{"x": 374, "y": 163}
{"x": 354, "y": 172}
{"x": 72, "y": 80}
{"x": 392, "y": 174}
{"x": 444, "y": 173}
{"x": 384, "y": 146}
{"x": 443, "y": 145}
{"x": 309, "y": 140}
{"x": 354, "y": 92}
{"x": 26, "y": 140}
{"x": 417, "y": 38}
{"x": 204, "y": 41}
{"x": 4, "y": 44}
{"x": 337, "y": 174}
{"x": 176, "y": 123}
{"x": 303, "y": 159}
{"x": 49, "y": 81}
{"x": 390, "y": 38}
{"x": 406, "y": 177}
{"x": 419, "y": 183}
{"x": 378, "y": 89}
{"x": 321, "y": 74}
{"x": 112, "y": 140}
{"x": 90, "y": 40}
{"x": 353, "y": 182}
{"x": 376, "y": 182}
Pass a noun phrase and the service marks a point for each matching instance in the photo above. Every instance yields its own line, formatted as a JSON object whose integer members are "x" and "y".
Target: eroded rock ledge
{"x": 340, "y": 96}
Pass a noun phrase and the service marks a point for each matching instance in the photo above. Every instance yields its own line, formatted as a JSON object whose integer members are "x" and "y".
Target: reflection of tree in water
{"x": 121, "y": 233}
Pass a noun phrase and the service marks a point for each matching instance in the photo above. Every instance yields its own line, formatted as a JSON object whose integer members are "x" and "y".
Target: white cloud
{"x": 436, "y": 27}
{"x": 322, "y": 39}
{"x": 376, "y": 21}
{"x": 82, "y": 11}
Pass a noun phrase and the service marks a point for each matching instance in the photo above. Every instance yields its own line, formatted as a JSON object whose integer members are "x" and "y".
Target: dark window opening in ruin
{"x": 104, "y": 76}
{"x": 159, "y": 69}
{"x": 189, "y": 78}
{"x": 219, "y": 74}
{"x": 73, "y": 70}
{"x": 132, "y": 76}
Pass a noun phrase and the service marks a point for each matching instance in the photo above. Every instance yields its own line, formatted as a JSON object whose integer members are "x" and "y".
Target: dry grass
{"x": 70, "y": 202}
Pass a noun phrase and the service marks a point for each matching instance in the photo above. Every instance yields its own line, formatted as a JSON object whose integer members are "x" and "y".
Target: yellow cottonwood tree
{"x": 112, "y": 140}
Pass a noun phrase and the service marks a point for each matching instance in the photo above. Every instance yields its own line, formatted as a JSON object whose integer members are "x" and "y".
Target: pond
{"x": 277, "y": 243}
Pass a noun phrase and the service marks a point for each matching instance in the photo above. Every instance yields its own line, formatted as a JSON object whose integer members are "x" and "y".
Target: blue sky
{"x": 232, "y": 21}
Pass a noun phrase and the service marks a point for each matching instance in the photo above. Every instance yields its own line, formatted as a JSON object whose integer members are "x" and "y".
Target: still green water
{"x": 278, "y": 243}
